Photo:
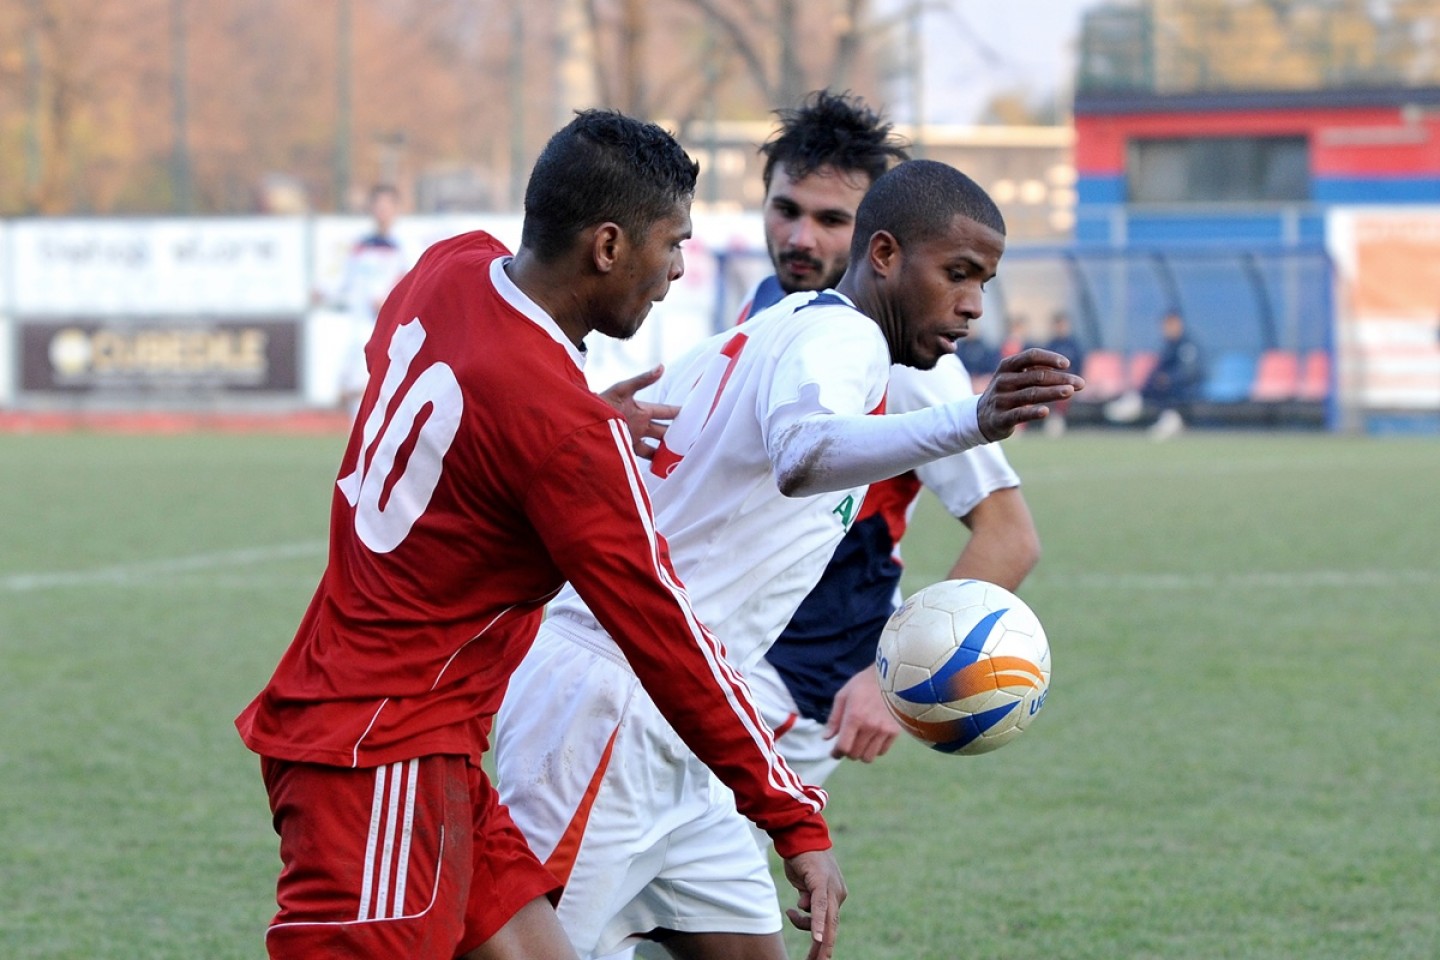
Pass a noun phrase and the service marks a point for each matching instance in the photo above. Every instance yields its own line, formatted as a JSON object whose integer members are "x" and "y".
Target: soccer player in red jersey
{"x": 480, "y": 475}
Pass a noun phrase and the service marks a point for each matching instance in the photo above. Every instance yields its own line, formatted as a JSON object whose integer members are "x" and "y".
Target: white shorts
{"x": 800, "y": 740}
{"x": 640, "y": 831}
{"x": 354, "y": 373}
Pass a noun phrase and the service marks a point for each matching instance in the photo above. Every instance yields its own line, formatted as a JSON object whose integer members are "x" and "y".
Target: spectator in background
{"x": 1062, "y": 340}
{"x": 372, "y": 268}
{"x": 979, "y": 358}
{"x": 1016, "y": 325}
{"x": 1172, "y": 386}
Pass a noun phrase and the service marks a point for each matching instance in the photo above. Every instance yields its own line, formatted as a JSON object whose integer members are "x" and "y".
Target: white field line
{"x": 1257, "y": 579}
{"x": 145, "y": 572}
{"x": 1297, "y": 467}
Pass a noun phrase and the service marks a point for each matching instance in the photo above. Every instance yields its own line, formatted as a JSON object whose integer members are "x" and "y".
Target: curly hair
{"x": 603, "y": 167}
{"x": 831, "y": 130}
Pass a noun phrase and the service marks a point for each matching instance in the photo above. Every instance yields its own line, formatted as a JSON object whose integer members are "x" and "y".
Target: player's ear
{"x": 605, "y": 244}
{"x": 883, "y": 253}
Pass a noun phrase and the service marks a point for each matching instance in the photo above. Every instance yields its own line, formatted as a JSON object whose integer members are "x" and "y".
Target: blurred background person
{"x": 372, "y": 268}
{"x": 1063, "y": 341}
{"x": 1172, "y": 386}
{"x": 1017, "y": 335}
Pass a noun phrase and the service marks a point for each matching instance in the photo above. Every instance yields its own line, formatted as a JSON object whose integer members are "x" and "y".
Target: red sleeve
{"x": 589, "y": 505}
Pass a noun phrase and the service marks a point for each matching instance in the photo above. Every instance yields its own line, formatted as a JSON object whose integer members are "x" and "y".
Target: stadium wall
{"x": 1368, "y": 154}
{"x": 1388, "y": 346}
{"x": 1363, "y": 147}
{"x": 231, "y": 314}
{"x": 228, "y": 314}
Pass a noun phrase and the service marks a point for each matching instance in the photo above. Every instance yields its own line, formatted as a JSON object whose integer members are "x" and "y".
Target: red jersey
{"x": 481, "y": 474}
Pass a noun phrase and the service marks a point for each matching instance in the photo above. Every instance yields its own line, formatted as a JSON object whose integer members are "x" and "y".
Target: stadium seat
{"x": 1315, "y": 377}
{"x": 1139, "y": 367}
{"x": 1277, "y": 378}
{"x": 1230, "y": 378}
{"x": 1104, "y": 373}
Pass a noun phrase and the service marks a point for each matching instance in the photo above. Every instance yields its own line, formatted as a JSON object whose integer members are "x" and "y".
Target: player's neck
{"x": 554, "y": 291}
{"x": 860, "y": 287}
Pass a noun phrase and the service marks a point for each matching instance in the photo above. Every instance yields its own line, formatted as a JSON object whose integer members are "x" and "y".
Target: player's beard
{"x": 623, "y": 328}
{"x": 818, "y": 279}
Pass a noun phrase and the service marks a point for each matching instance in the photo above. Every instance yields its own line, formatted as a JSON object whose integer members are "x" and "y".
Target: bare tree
{"x": 766, "y": 36}
{"x": 92, "y": 116}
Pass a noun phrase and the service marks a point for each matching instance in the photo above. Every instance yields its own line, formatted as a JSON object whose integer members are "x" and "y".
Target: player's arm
{"x": 589, "y": 505}
{"x": 814, "y": 452}
{"x": 1004, "y": 545}
{"x": 978, "y": 487}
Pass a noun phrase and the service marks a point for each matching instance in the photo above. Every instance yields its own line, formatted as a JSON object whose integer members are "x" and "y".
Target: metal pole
{"x": 916, "y": 43}
{"x": 34, "y": 156}
{"x": 517, "y": 107}
{"x": 180, "y": 111}
{"x": 343, "y": 71}
{"x": 712, "y": 145}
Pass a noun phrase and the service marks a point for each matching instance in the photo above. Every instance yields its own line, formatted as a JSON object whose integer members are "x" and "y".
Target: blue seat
{"x": 1231, "y": 378}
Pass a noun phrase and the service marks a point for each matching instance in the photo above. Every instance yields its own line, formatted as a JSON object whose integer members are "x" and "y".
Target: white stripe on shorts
{"x": 392, "y": 819}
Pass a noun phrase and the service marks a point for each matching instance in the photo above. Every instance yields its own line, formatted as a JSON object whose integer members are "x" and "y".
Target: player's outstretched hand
{"x": 817, "y": 876}
{"x": 1020, "y": 389}
{"x": 860, "y": 723}
{"x": 647, "y": 421}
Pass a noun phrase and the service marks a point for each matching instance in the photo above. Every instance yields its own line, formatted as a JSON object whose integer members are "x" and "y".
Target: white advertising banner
{"x": 4, "y": 268}
{"x": 1389, "y": 330}
{"x": 177, "y": 267}
{"x": 138, "y": 301}
{"x": 700, "y": 301}
{"x": 335, "y": 236}
{"x": 7, "y": 361}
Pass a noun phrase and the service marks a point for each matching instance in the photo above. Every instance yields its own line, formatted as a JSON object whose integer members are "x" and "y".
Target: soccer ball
{"x": 964, "y": 666}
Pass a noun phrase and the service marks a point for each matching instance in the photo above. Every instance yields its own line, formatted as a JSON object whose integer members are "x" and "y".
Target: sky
{"x": 978, "y": 48}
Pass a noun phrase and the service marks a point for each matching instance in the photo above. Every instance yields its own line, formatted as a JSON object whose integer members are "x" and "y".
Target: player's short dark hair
{"x": 603, "y": 167}
{"x": 917, "y": 201}
{"x": 831, "y": 130}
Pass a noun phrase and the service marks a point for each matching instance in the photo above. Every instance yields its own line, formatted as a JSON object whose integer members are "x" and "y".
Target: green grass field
{"x": 1239, "y": 758}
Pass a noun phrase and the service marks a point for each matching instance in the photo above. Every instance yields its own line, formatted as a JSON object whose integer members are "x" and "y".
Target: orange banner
{"x": 1397, "y": 260}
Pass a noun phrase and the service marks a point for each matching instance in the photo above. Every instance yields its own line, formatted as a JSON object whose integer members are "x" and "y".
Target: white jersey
{"x": 748, "y": 554}
{"x": 832, "y": 634}
{"x": 375, "y": 264}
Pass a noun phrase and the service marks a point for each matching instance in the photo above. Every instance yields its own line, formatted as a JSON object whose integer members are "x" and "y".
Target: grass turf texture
{"x": 1237, "y": 759}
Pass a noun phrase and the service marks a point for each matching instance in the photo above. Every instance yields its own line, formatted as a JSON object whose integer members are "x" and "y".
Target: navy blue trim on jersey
{"x": 826, "y": 299}
{"x": 378, "y": 240}
{"x": 833, "y": 635}
{"x": 767, "y": 294}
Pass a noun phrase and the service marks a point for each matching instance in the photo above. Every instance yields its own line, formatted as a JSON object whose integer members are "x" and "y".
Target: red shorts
{"x": 412, "y": 859}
